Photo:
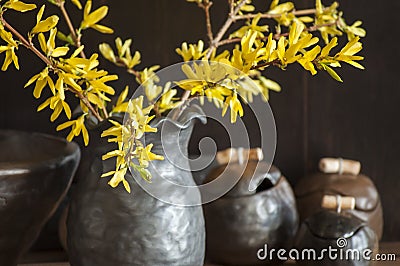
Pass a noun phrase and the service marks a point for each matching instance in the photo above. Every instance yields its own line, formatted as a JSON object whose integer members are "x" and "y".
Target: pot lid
{"x": 360, "y": 187}
{"x": 332, "y": 225}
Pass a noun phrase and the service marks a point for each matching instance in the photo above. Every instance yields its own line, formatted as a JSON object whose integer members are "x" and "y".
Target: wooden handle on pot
{"x": 338, "y": 203}
{"x": 240, "y": 155}
{"x": 339, "y": 165}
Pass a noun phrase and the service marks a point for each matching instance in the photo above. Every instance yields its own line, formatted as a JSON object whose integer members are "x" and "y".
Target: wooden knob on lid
{"x": 338, "y": 203}
{"x": 340, "y": 166}
{"x": 240, "y": 155}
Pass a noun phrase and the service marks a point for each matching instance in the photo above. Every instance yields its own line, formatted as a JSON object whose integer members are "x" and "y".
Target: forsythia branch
{"x": 275, "y": 62}
{"x": 48, "y": 62}
{"x": 77, "y": 41}
{"x": 277, "y": 35}
{"x": 26, "y": 43}
{"x": 213, "y": 46}
{"x": 88, "y": 104}
{"x": 303, "y": 12}
{"x": 206, "y": 7}
{"x": 224, "y": 28}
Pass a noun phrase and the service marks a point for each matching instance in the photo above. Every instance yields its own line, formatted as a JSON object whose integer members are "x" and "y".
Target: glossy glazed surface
{"x": 35, "y": 172}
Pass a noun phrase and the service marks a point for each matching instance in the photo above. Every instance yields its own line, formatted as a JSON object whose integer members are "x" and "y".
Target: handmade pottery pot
{"x": 350, "y": 240}
{"x": 35, "y": 172}
{"x": 241, "y": 222}
{"x": 310, "y": 190}
{"x": 108, "y": 226}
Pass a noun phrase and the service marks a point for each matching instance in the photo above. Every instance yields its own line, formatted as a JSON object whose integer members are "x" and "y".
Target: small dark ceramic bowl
{"x": 35, "y": 173}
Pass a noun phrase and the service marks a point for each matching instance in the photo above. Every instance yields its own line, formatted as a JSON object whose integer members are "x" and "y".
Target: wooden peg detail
{"x": 339, "y": 165}
{"x": 338, "y": 203}
{"x": 239, "y": 155}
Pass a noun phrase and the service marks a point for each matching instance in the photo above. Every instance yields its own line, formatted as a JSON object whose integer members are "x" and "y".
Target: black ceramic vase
{"x": 108, "y": 226}
{"x": 35, "y": 172}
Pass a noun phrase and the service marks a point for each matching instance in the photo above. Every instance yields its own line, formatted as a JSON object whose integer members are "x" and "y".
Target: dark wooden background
{"x": 315, "y": 116}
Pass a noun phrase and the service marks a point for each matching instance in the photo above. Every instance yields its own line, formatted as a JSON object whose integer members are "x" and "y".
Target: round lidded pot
{"x": 248, "y": 217}
{"x": 341, "y": 177}
{"x": 335, "y": 237}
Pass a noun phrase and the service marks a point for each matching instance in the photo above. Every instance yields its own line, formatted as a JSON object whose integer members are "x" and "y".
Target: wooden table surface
{"x": 60, "y": 258}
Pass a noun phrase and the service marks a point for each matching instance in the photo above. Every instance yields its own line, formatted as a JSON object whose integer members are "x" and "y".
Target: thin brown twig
{"x": 132, "y": 71}
{"x": 48, "y": 62}
{"x": 206, "y": 7}
{"x": 135, "y": 73}
{"x": 316, "y": 27}
{"x": 265, "y": 64}
{"x": 184, "y": 98}
{"x": 61, "y": 5}
{"x": 88, "y": 104}
{"x": 105, "y": 111}
{"x": 228, "y": 41}
{"x": 231, "y": 6}
{"x": 75, "y": 37}
{"x": 224, "y": 28}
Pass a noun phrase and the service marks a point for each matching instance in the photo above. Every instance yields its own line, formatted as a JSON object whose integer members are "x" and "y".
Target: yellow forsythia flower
{"x": 10, "y": 57}
{"x": 49, "y": 47}
{"x": 118, "y": 177}
{"x": 45, "y": 25}
{"x": 19, "y": 6}
{"x": 144, "y": 155}
{"x": 77, "y": 3}
{"x": 251, "y": 26}
{"x": 77, "y": 128}
{"x": 90, "y": 19}
{"x": 42, "y": 79}
{"x": 307, "y": 60}
{"x": 235, "y": 106}
{"x": 191, "y": 52}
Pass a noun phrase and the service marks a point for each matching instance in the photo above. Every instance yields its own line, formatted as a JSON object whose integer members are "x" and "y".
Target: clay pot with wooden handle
{"x": 243, "y": 220}
{"x": 341, "y": 177}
